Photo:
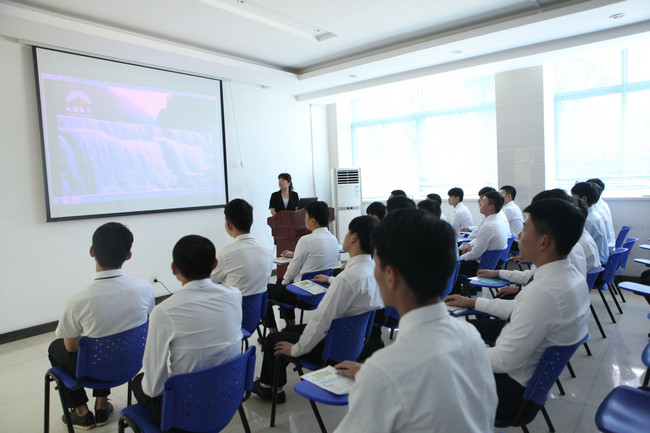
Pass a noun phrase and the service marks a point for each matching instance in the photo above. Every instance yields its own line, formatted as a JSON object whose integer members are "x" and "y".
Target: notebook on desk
{"x": 311, "y": 287}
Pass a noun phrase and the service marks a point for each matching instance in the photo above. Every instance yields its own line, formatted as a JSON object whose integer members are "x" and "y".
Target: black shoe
{"x": 103, "y": 415}
{"x": 267, "y": 393}
{"x": 85, "y": 422}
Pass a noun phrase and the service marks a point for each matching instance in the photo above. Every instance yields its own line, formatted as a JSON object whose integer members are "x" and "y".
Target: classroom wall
{"x": 44, "y": 263}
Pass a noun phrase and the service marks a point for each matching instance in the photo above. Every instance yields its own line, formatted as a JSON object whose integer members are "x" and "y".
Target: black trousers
{"x": 153, "y": 405}
{"x": 279, "y": 293}
{"x": 292, "y": 335}
{"x": 510, "y": 394}
{"x": 59, "y": 356}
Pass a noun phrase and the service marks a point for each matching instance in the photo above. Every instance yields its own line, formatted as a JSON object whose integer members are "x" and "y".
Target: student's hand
{"x": 282, "y": 348}
{"x": 518, "y": 259}
{"x": 508, "y": 290}
{"x": 287, "y": 254}
{"x": 487, "y": 273}
{"x": 460, "y": 301}
{"x": 348, "y": 368}
{"x": 465, "y": 248}
{"x": 320, "y": 278}
{"x": 464, "y": 229}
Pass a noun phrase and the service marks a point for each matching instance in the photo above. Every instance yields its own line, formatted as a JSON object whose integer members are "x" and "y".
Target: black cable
{"x": 156, "y": 280}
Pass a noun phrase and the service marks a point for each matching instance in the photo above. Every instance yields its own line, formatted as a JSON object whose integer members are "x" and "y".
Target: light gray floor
{"x": 615, "y": 361}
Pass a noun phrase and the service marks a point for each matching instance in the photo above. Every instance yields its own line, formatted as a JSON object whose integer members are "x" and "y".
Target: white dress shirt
{"x": 514, "y": 216}
{"x": 500, "y": 214}
{"x": 595, "y": 226}
{"x": 591, "y": 252}
{"x": 196, "y": 328}
{"x": 603, "y": 210}
{"x": 114, "y": 302}
{"x": 492, "y": 235}
{"x": 552, "y": 310}
{"x": 354, "y": 291}
{"x": 434, "y": 377}
{"x": 462, "y": 217}
{"x": 244, "y": 264}
{"x": 316, "y": 251}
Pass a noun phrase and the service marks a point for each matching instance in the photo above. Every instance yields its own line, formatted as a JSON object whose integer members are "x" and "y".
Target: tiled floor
{"x": 616, "y": 360}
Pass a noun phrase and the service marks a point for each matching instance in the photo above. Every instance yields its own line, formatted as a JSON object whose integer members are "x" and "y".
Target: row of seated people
{"x": 414, "y": 256}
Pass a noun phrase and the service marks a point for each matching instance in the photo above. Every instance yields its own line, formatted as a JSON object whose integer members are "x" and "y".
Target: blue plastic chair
{"x": 200, "y": 401}
{"x": 608, "y": 277}
{"x": 591, "y": 279}
{"x": 102, "y": 363}
{"x": 645, "y": 357}
{"x": 489, "y": 260}
{"x": 253, "y": 311}
{"x": 344, "y": 341}
{"x": 622, "y": 235}
{"x": 624, "y": 410}
{"x": 506, "y": 253}
{"x": 548, "y": 370}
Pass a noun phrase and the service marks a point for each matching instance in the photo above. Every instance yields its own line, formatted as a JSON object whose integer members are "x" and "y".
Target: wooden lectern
{"x": 287, "y": 227}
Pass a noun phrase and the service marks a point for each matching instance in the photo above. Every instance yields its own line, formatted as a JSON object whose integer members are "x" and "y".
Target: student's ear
{"x": 92, "y": 251}
{"x": 354, "y": 237}
{"x": 546, "y": 242}
{"x": 216, "y": 262}
{"x": 229, "y": 226}
{"x": 174, "y": 269}
{"x": 128, "y": 256}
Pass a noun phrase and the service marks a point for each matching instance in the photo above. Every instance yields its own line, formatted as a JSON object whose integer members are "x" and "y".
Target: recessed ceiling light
{"x": 616, "y": 16}
{"x": 457, "y": 52}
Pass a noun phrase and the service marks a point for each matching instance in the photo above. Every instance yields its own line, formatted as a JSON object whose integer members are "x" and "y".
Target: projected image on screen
{"x": 121, "y": 139}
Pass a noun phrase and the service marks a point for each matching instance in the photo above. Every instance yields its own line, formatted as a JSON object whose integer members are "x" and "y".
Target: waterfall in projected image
{"x": 98, "y": 157}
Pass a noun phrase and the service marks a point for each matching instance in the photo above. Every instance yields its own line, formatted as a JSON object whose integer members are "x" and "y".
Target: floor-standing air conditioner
{"x": 347, "y": 198}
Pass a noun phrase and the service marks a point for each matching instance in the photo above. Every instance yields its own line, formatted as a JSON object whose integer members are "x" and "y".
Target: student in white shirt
{"x": 602, "y": 208}
{"x": 244, "y": 264}
{"x": 551, "y": 310}
{"x": 462, "y": 216}
{"x": 436, "y": 197}
{"x": 314, "y": 252}
{"x": 594, "y": 225}
{"x": 511, "y": 210}
{"x": 196, "y": 328}
{"x": 353, "y": 291}
{"x": 114, "y": 302}
{"x": 436, "y": 375}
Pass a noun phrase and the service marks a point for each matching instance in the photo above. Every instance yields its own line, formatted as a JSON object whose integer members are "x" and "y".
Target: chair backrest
{"x": 206, "y": 400}
{"x": 645, "y": 356}
{"x": 622, "y": 235}
{"x": 506, "y": 253}
{"x": 553, "y": 361}
{"x": 490, "y": 259}
{"x": 452, "y": 281}
{"x": 346, "y": 336}
{"x": 591, "y": 278}
{"x": 628, "y": 244}
{"x": 253, "y": 309}
{"x": 612, "y": 265}
{"x": 310, "y": 275}
{"x": 112, "y": 358}
{"x": 624, "y": 410}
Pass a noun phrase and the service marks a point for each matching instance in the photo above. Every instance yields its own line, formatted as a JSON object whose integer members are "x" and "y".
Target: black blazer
{"x": 277, "y": 203}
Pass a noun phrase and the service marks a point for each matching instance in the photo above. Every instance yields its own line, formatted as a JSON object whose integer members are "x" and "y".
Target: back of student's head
{"x": 435, "y": 197}
{"x": 559, "y": 219}
{"x": 111, "y": 244}
{"x": 485, "y": 190}
{"x": 240, "y": 214}
{"x": 598, "y": 190}
{"x": 194, "y": 256}
{"x": 420, "y": 247}
{"x": 399, "y": 202}
{"x": 562, "y": 195}
{"x": 510, "y": 190}
{"x": 598, "y": 182}
{"x": 319, "y": 211}
{"x": 364, "y": 227}
{"x": 431, "y": 206}
{"x": 396, "y": 192}
{"x": 456, "y": 192}
{"x": 494, "y": 199}
{"x": 585, "y": 189}
{"x": 377, "y": 209}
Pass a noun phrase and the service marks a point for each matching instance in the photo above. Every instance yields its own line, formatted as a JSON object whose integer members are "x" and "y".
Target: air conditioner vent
{"x": 344, "y": 177}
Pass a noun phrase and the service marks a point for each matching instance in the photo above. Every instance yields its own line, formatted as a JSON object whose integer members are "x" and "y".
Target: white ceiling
{"x": 316, "y": 48}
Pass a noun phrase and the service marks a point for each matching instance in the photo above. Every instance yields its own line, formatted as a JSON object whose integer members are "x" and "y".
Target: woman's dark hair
{"x": 287, "y": 177}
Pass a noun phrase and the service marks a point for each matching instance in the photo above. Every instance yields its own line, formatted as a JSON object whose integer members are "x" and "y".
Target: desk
{"x": 305, "y": 296}
{"x": 645, "y": 246}
{"x": 639, "y": 289}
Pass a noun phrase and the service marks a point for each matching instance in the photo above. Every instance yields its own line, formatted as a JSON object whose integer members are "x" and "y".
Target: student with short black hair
{"x": 431, "y": 206}
{"x": 595, "y": 225}
{"x": 602, "y": 208}
{"x": 436, "y": 197}
{"x": 196, "y": 328}
{"x": 377, "y": 210}
{"x": 244, "y": 264}
{"x": 511, "y": 211}
{"x": 114, "y": 302}
{"x": 397, "y": 192}
{"x": 462, "y": 216}
{"x": 398, "y": 389}
{"x": 399, "y": 202}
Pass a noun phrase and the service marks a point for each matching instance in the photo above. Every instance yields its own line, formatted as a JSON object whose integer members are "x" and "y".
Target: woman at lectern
{"x": 286, "y": 198}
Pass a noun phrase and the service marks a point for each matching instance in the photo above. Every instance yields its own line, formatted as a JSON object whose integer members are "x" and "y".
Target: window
{"x": 425, "y": 137}
{"x": 602, "y": 125}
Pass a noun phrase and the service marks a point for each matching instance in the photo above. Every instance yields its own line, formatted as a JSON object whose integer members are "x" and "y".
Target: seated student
{"x": 481, "y": 196}
{"x": 462, "y": 216}
{"x": 316, "y": 251}
{"x": 594, "y": 224}
{"x": 396, "y": 192}
{"x": 436, "y": 197}
{"x": 436, "y": 375}
{"x": 603, "y": 210}
{"x": 112, "y": 303}
{"x": 377, "y": 210}
{"x": 491, "y": 235}
{"x": 430, "y": 206}
{"x": 399, "y": 202}
{"x": 244, "y": 264}
{"x": 353, "y": 291}
{"x": 511, "y": 210}
{"x": 551, "y": 310}
{"x": 197, "y": 327}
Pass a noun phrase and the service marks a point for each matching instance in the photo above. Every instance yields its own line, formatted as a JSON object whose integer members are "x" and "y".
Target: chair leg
{"x": 609, "y": 311}
{"x": 318, "y": 417}
{"x": 611, "y": 292}
{"x": 64, "y": 405}
{"x": 124, "y": 422}
{"x": 620, "y": 293}
{"x": 392, "y": 331}
{"x": 647, "y": 377}
{"x": 46, "y": 405}
{"x": 302, "y": 315}
{"x": 276, "y": 372}
{"x": 492, "y": 292}
{"x": 600, "y": 327}
{"x": 559, "y": 385}
{"x": 129, "y": 393}
{"x": 524, "y": 429}
{"x": 548, "y": 420}
{"x": 587, "y": 349}
{"x": 244, "y": 420}
{"x": 571, "y": 372}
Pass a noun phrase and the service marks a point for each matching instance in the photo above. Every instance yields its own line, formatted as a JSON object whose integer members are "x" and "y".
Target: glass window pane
{"x": 638, "y": 63}
{"x": 636, "y": 154}
{"x": 595, "y": 70}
